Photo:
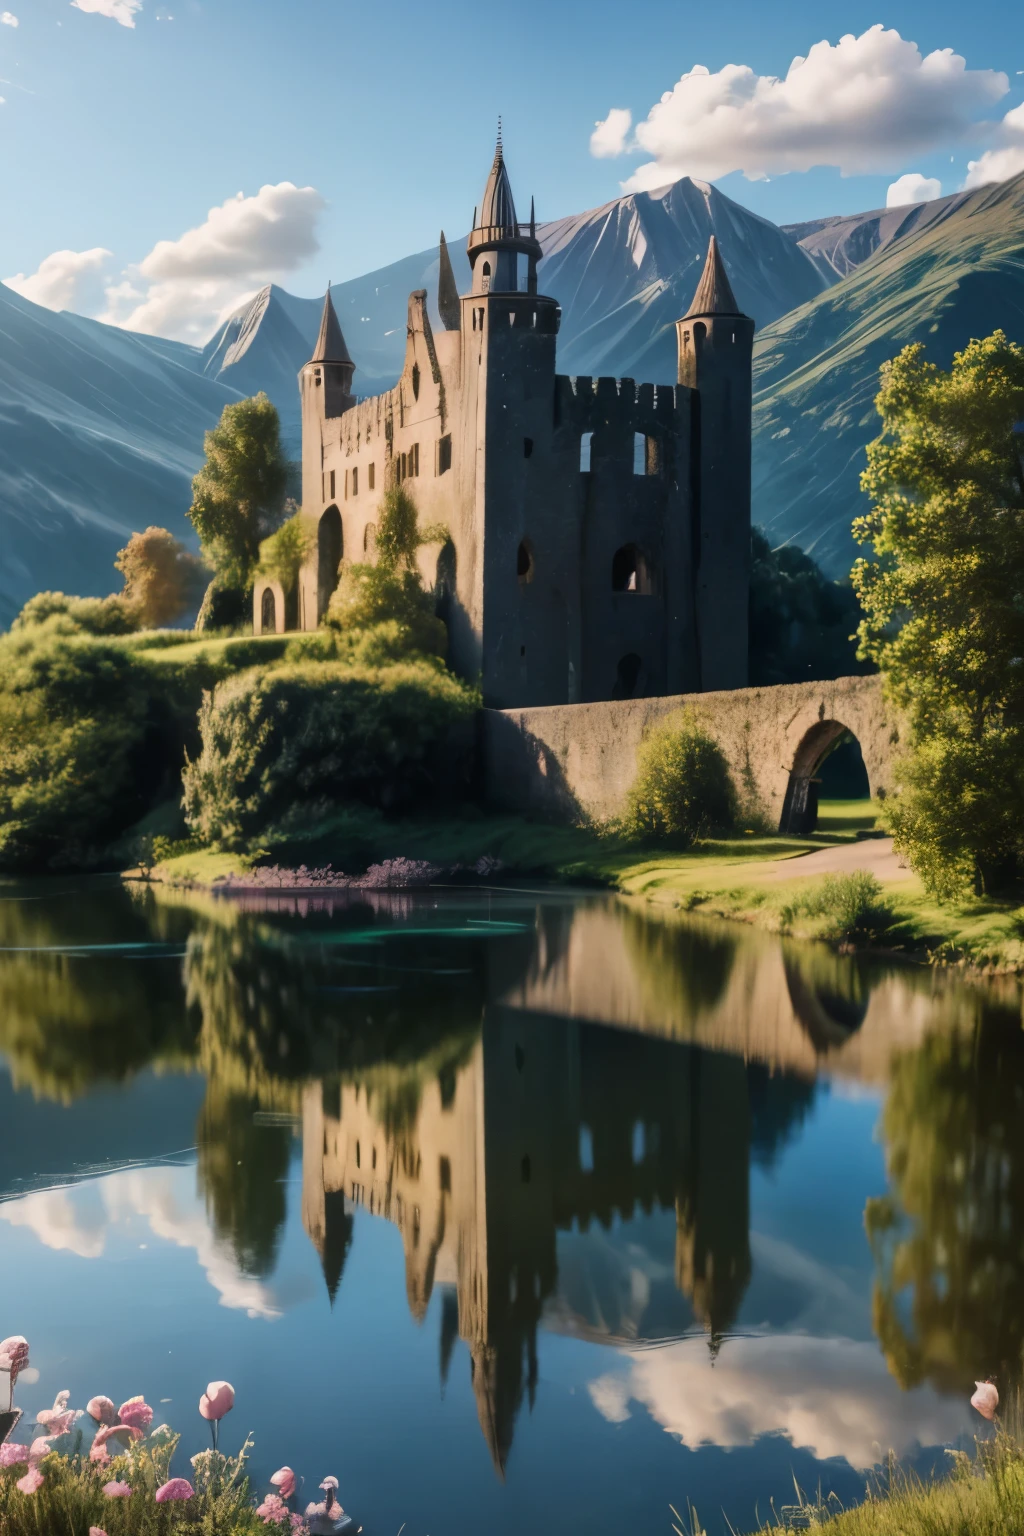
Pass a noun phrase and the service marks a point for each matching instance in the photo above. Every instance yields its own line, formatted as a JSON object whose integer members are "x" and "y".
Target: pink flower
{"x": 12, "y": 1455}
{"x": 38, "y": 1449}
{"x": 273, "y": 1510}
{"x": 284, "y": 1481}
{"x": 177, "y": 1488}
{"x": 94, "y": 1530}
{"x": 217, "y": 1400}
{"x": 136, "y": 1412}
{"x": 985, "y": 1399}
{"x": 298, "y": 1524}
{"x": 31, "y": 1482}
{"x": 57, "y": 1420}
{"x": 121, "y": 1434}
{"x": 117, "y": 1490}
{"x": 102, "y": 1410}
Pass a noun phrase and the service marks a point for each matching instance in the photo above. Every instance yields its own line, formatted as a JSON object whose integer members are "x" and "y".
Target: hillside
{"x": 947, "y": 279}
{"x": 101, "y": 431}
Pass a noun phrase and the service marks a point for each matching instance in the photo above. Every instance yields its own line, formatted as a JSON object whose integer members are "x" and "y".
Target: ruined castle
{"x": 598, "y": 530}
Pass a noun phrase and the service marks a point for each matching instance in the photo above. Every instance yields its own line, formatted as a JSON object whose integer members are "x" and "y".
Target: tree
{"x": 238, "y": 495}
{"x": 162, "y": 579}
{"x": 284, "y": 553}
{"x": 683, "y": 791}
{"x": 943, "y": 599}
{"x": 801, "y": 623}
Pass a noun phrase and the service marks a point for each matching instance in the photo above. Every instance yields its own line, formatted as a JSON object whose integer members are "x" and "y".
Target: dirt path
{"x": 875, "y": 854}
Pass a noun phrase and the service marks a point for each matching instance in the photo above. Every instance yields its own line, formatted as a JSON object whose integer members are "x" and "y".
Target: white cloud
{"x": 7, "y": 19}
{"x": 65, "y": 280}
{"x": 185, "y": 286}
{"x": 833, "y": 1396}
{"x": 117, "y": 10}
{"x": 912, "y": 188}
{"x": 609, "y": 136}
{"x": 1007, "y": 158}
{"x": 865, "y": 104}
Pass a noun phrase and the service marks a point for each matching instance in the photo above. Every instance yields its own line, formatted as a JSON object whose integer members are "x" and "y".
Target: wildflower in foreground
{"x": 985, "y": 1399}
{"x": 12, "y": 1455}
{"x": 32, "y": 1481}
{"x": 102, "y": 1410}
{"x": 121, "y": 1434}
{"x": 117, "y": 1490}
{"x": 273, "y": 1510}
{"x": 94, "y": 1530}
{"x": 284, "y": 1481}
{"x": 179, "y": 1488}
{"x": 217, "y": 1400}
{"x": 136, "y": 1412}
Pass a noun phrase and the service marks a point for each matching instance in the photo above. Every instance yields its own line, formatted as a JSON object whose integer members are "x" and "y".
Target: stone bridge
{"x": 577, "y": 762}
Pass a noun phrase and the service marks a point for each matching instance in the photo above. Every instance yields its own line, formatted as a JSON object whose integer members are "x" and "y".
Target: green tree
{"x": 801, "y": 623}
{"x": 683, "y": 790}
{"x": 283, "y": 554}
{"x": 77, "y": 615}
{"x": 162, "y": 579}
{"x": 943, "y": 598}
{"x": 238, "y": 497}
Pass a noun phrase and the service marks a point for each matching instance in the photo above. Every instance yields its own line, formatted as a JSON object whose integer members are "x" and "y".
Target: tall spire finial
{"x": 499, "y": 151}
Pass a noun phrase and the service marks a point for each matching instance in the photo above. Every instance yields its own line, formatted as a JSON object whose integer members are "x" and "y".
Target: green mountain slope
{"x": 816, "y": 368}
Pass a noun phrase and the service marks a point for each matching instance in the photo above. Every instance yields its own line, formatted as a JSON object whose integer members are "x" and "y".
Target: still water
{"x": 514, "y": 1210}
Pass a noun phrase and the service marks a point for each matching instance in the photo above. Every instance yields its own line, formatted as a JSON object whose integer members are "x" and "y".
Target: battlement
{"x": 586, "y": 404}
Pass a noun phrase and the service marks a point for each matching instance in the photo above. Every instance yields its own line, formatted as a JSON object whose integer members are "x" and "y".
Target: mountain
{"x": 101, "y": 431}
{"x": 841, "y": 243}
{"x": 623, "y": 274}
{"x": 954, "y": 273}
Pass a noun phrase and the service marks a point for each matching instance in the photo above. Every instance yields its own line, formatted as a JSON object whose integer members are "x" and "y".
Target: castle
{"x": 599, "y": 531}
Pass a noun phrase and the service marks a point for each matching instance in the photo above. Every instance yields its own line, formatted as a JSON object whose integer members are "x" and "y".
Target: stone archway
{"x": 800, "y": 806}
{"x": 330, "y": 548}
{"x": 269, "y": 612}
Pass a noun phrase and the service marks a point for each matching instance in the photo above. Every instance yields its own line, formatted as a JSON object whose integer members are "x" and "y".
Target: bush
{"x": 283, "y": 554}
{"x": 683, "y": 790}
{"x": 850, "y": 908}
{"x": 163, "y": 581}
{"x": 81, "y": 748}
{"x": 82, "y": 615}
{"x": 319, "y": 732}
{"x": 369, "y": 596}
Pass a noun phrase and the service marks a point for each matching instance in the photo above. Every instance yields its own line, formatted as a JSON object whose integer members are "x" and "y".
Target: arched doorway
{"x": 329, "y": 553}
{"x": 268, "y": 613}
{"x": 828, "y": 764}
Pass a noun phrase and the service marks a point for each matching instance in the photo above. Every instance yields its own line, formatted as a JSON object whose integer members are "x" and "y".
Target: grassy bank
{"x": 761, "y": 879}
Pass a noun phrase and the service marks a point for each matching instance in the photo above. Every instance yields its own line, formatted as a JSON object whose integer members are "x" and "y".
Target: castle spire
{"x": 498, "y": 209}
{"x": 714, "y": 294}
{"x": 496, "y": 239}
{"x": 330, "y": 344}
{"x": 448, "y": 306}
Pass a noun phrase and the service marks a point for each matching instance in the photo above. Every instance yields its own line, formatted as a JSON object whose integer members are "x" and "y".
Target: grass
{"x": 735, "y": 877}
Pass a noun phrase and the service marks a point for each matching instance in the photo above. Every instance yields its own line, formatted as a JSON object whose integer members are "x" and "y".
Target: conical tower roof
{"x": 448, "y": 306}
{"x": 714, "y": 294}
{"x": 330, "y": 344}
{"x": 498, "y": 210}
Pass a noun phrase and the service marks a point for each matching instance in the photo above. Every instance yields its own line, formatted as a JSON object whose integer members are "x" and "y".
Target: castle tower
{"x": 496, "y": 241}
{"x": 328, "y": 374}
{"x": 715, "y": 355}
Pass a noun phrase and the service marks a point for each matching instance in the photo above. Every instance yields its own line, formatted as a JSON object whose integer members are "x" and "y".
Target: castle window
{"x": 586, "y": 1149}
{"x": 330, "y": 549}
{"x": 346, "y": 485}
{"x": 630, "y": 571}
{"x": 333, "y": 492}
{"x": 627, "y": 675}
{"x": 639, "y": 454}
{"x": 370, "y": 477}
{"x": 446, "y": 1176}
{"x": 414, "y": 459}
{"x": 370, "y": 539}
{"x": 524, "y": 562}
{"x": 639, "y": 1143}
{"x": 585, "y": 442}
{"x": 527, "y": 447}
{"x": 415, "y": 381}
{"x": 444, "y": 454}
{"x": 511, "y": 317}
{"x": 355, "y": 482}
{"x": 268, "y": 612}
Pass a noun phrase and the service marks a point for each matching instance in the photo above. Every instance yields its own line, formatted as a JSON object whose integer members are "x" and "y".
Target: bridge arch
{"x": 815, "y": 747}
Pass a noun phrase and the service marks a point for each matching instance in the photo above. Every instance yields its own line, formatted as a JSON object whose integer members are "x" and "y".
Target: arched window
{"x": 627, "y": 675}
{"x": 646, "y": 455}
{"x": 415, "y": 381}
{"x": 585, "y": 442}
{"x": 631, "y": 571}
{"x": 445, "y": 579}
{"x": 329, "y": 553}
{"x": 524, "y": 562}
{"x": 268, "y": 612}
{"x": 370, "y": 539}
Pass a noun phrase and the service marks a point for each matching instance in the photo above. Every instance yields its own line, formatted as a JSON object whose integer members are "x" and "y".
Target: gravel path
{"x": 874, "y": 854}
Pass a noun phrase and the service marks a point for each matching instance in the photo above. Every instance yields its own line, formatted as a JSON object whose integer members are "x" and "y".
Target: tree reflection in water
{"x": 496, "y": 1082}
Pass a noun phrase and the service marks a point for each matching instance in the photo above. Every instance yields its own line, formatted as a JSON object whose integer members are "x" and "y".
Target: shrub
{"x": 683, "y": 790}
{"x": 319, "y": 732}
{"x": 369, "y": 596}
{"x": 84, "y": 615}
{"x": 80, "y": 747}
{"x": 848, "y": 907}
{"x": 283, "y": 554}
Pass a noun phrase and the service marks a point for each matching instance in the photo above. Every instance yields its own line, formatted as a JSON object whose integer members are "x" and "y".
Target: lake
{"x": 514, "y": 1210}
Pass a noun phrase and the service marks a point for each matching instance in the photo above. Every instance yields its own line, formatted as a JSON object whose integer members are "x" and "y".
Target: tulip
{"x": 179, "y": 1488}
{"x": 117, "y": 1490}
{"x": 985, "y": 1399}
{"x": 284, "y": 1481}
{"x": 136, "y": 1412}
{"x": 31, "y": 1482}
{"x": 102, "y": 1410}
{"x": 216, "y": 1401}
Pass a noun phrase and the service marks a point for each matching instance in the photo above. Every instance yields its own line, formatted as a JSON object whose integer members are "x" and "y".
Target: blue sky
{"x": 117, "y": 137}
